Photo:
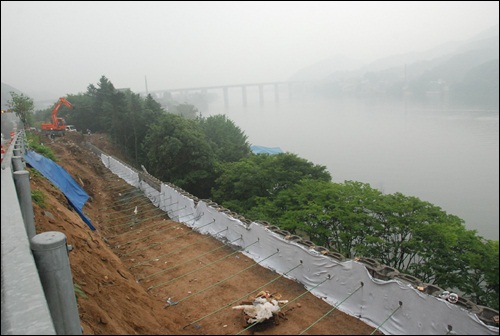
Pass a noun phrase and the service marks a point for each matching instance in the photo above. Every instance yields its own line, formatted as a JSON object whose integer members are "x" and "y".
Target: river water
{"x": 448, "y": 157}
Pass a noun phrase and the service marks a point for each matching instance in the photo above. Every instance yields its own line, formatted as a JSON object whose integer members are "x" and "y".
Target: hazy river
{"x": 449, "y": 158}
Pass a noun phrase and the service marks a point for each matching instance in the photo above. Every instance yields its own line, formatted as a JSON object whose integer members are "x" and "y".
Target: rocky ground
{"x": 145, "y": 274}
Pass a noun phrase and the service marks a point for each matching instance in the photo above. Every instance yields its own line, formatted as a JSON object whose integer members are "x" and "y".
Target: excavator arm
{"x": 58, "y": 126}
{"x": 55, "y": 110}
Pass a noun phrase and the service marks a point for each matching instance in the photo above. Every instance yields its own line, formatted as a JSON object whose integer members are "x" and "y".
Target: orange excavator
{"x": 58, "y": 125}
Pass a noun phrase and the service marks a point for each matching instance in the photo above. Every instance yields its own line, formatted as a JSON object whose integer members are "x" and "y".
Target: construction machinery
{"x": 58, "y": 125}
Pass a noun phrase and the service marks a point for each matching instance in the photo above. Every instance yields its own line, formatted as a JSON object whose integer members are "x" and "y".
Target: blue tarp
{"x": 61, "y": 179}
{"x": 265, "y": 150}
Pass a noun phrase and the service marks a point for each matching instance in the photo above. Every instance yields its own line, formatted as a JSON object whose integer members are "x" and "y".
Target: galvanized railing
{"x": 37, "y": 288}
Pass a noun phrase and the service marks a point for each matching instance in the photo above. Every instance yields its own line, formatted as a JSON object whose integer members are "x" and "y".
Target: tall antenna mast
{"x": 146, "y": 80}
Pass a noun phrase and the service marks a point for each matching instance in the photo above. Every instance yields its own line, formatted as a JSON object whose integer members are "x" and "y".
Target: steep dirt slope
{"x": 134, "y": 264}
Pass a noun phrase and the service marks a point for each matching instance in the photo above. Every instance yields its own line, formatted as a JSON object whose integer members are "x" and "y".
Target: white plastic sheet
{"x": 393, "y": 306}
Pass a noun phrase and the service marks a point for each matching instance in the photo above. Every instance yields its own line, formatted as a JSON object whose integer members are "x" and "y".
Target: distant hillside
{"x": 459, "y": 72}
{"x": 6, "y": 89}
{"x": 340, "y": 66}
{"x": 480, "y": 85}
{"x": 487, "y": 39}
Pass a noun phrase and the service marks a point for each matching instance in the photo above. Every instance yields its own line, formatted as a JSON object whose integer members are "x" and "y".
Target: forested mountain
{"x": 441, "y": 73}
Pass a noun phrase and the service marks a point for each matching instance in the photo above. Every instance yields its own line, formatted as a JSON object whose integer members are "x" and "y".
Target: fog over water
{"x": 446, "y": 157}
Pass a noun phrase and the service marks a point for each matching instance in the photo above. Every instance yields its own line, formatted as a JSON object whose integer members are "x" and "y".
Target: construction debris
{"x": 169, "y": 303}
{"x": 263, "y": 307}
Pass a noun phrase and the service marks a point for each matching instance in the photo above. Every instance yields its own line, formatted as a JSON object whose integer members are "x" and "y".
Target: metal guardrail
{"x": 37, "y": 293}
{"x": 24, "y": 306}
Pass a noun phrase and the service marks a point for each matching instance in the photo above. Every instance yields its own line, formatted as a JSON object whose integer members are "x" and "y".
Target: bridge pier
{"x": 184, "y": 92}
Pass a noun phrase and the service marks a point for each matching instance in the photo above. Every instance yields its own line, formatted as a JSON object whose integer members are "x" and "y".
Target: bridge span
{"x": 291, "y": 87}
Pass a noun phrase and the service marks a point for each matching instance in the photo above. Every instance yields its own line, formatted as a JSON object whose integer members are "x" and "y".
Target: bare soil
{"x": 133, "y": 265}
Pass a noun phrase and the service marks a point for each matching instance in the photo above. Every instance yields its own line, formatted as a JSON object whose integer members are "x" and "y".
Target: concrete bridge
{"x": 291, "y": 87}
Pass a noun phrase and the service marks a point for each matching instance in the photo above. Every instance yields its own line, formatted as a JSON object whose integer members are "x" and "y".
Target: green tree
{"x": 337, "y": 216}
{"x": 81, "y": 116}
{"x": 23, "y": 106}
{"x": 137, "y": 115}
{"x": 124, "y": 115}
{"x": 107, "y": 102}
{"x": 228, "y": 141}
{"x": 486, "y": 275}
{"x": 456, "y": 258}
{"x": 129, "y": 129}
{"x": 150, "y": 113}
{"x": 178, "y": 152}
{"x": 397, "y": 217}
{"x": 240, "y": 184}
{"x": 187, "y": 111}
{"x": 476, "y": 269}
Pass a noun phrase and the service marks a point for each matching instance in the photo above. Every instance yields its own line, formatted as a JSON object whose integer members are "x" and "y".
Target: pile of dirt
{"x": 141, "y": 273}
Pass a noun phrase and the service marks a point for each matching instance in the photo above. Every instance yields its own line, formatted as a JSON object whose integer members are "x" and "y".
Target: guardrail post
{"x": 16, "y": 151}
{"x": 22, "y": 182}
{"x": 51, "y": 257}
{"x": 23, "y": 142}
{"x": 17, "y": 163}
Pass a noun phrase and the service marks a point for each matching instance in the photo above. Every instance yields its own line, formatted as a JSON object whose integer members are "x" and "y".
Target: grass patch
{"x": 34, "y": 173}
{"x": 79, "y": 291}
{"x": 35, "y": 143}
{"x": 39, "y": 198}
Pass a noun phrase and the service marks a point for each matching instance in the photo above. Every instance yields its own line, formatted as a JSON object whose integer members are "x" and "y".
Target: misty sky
{"x": 62, "y": 47}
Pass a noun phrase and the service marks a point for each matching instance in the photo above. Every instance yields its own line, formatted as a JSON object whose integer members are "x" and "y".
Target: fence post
{"x": 22, "y": 141}
{"x": 17, "y": 150}
{"x": 17, "y": 163}
{"x": 22, "y": 182}
{"x": 51, "y": 257}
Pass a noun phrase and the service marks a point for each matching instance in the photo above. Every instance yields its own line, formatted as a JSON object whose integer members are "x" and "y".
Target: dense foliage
{"x": 403, "y": 232}
{"x": 241, "y": 184}
{"x": 35, "y": 144}
{"x": 177, "y": 151}
{"x": 227, "y": 140}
